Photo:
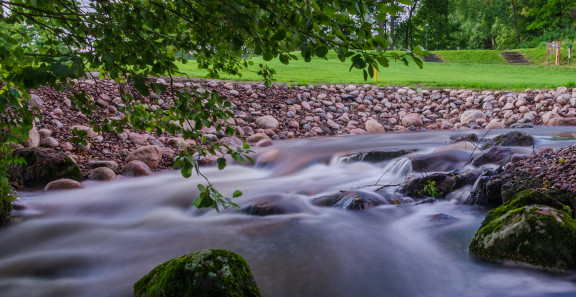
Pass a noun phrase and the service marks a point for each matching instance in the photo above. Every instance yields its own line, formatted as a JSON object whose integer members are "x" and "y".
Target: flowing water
{"x": 98, "y": 241}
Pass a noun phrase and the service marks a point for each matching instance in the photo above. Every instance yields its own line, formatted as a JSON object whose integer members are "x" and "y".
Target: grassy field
{"x": 433, "y": 75}
{"x": 472, "y": 56}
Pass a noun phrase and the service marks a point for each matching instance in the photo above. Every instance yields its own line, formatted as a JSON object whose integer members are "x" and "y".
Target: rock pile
{"x": 263, "y": 114}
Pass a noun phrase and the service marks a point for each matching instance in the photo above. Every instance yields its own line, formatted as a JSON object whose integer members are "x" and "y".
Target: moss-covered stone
{"x": 532, "y": 228}
{"x": 513, "y": 138}
{"x": 43, "y": 166}
{"x": 207, "y": 273}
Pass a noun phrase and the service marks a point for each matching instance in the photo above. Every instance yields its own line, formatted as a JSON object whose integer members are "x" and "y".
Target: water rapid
{"x": 98, "y": 241}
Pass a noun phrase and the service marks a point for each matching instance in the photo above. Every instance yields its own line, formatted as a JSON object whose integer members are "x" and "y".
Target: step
{"x": 515, "y": 58}
{"x": 432, "y": 57}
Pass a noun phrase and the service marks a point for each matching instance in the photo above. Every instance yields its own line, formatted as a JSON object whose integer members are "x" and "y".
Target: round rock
{"x": 372, "y": 126}
{"x": 412, "y": 119}
{"x": 151, "y": 155}
{"x": 267, "y": 122}
{"x": 63, "y": 184}
{"x": 102, "y": 173}
{"x": 471, "y": 115}
{"x": 136, "y": 168}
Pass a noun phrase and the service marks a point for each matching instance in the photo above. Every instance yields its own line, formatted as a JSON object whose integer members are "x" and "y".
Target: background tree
{"x": 487, "y": 24}
{"x": 50, "y": 42}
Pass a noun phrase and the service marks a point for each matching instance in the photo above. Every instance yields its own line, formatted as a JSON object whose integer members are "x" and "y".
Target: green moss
{"x": 518, "y": 183}
{"x": 533, "y": 228}
{"x": 205, "y": 273}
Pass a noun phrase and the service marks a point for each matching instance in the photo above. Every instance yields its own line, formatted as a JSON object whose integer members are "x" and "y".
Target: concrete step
{"x": 432, "y": 57}
{"x": 515, "y": 58}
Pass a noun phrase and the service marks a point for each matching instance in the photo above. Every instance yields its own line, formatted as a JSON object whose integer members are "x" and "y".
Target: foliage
{"x": 6, "y": 194}
{"x": 489, "y": 24}
{"x": 50, "y": 42}
{"x": 430, "y": 189}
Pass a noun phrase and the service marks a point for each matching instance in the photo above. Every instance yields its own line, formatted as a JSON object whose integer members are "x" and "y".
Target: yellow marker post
{"x": 375, "y": 75}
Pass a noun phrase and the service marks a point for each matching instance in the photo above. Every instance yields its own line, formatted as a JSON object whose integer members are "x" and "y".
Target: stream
{"x": 99, "y": 240}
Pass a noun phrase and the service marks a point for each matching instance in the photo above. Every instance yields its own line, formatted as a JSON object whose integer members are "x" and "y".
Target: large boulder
{"x": 207, "y": 273}
{"x": 43, "y": 166}
{"x": 151, "y": 155}
{"x": 532, "y": 228}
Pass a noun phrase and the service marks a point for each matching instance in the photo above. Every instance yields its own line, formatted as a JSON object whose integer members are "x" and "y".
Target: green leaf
{"x": 203, "y": 201}
{"x": 236, "y": 194}
{"x": 280, "y": 35}
{"x": 321, "y": 51}
{"x": 419, "y": 51}
{"x": 418, "y": 62}
{"x": 268, "y": 56}
{"x": 221, "y": 163}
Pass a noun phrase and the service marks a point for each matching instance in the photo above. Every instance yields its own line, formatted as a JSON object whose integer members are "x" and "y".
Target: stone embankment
{"x": 264, "y": 114}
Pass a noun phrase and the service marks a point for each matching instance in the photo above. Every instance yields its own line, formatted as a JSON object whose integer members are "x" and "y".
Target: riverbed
{"x": 98, "y": 241}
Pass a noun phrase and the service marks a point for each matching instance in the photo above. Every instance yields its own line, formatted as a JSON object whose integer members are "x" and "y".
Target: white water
{"x": 100, "y": 240}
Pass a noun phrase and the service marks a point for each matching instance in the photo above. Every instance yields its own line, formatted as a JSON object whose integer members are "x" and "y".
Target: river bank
{"x": 264, "y": 114}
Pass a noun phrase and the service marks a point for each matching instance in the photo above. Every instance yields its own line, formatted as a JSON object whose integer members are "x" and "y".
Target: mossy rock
{"x": 207, "y": 273}
{"x": 533, "y": 228}
{"x": 513, "y": 138}
{"x": 43, "y": 166}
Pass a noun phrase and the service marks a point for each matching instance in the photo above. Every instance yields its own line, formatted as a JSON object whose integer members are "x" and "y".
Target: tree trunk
{"x": 409, "y": 29}
{"x": 515, "y": 21}
{"x": 392, "y": 21}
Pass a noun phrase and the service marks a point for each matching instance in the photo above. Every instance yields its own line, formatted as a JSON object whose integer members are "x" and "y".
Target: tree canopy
{"x": 51, "y": 42}
{"x": 487, "y": 24}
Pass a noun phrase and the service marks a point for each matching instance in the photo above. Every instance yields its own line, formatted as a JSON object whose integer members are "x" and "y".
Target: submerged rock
{"x": 497, "y": 155}
{"x": 532, "y": 228}
{"x": 468, "y": 137}
{"x": 273, "y": 205}
{"x": 208, "y": 273}
{"x": 351, "y": 200}
{"x": 442, "y": 219}
{"x": 374, "y": 157}
{"x": 440, "y": 161}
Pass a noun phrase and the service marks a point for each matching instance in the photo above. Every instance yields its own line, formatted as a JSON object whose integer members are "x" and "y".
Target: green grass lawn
{"x": 433, "y": 75}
